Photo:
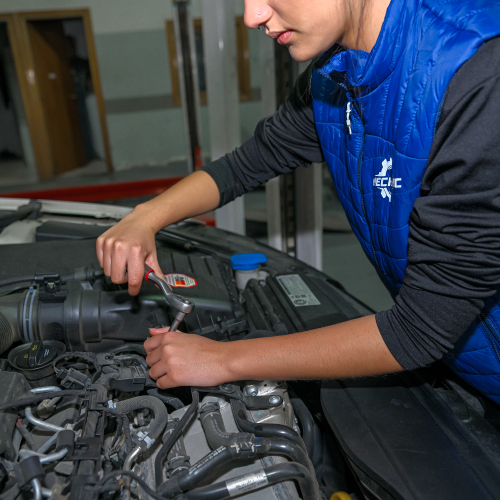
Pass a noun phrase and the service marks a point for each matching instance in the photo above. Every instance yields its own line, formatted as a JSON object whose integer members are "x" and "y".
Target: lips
{"x": 282, "y": 37}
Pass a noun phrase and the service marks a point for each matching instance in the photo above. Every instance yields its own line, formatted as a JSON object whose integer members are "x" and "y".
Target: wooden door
{"x": 57, "y": 92}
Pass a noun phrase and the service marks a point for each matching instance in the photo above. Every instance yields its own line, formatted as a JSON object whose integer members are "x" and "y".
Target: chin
{"x": 301, "y": 54}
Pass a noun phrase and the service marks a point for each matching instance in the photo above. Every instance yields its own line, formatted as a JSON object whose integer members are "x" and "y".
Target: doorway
{"x": 17, "y": 162}
{"x": 61, "y": 92}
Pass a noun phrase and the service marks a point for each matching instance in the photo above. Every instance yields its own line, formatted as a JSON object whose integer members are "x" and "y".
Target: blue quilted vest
{"x": 376, "y": 115}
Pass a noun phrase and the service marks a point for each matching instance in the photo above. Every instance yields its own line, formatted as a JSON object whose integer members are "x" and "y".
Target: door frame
{"x": 17, "y": 29}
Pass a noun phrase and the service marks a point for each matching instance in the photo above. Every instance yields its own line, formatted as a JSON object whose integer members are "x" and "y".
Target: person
{"x": 402, "y": 102}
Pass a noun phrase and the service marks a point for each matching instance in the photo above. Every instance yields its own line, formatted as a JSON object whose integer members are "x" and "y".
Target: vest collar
{"x": 368, "y": 70}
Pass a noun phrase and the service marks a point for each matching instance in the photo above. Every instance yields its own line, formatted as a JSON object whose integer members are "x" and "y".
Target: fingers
{"x": 159, "y": 336}
{"x": 165, "y": 383}
{"x": 99, "y": 249}
{"x": 158, "y": 369}
{"x": 152, "y": 262}
{"x": 155, "y": 356}
{"x": 135, "y": 269}
{"x": 122, "y": 251}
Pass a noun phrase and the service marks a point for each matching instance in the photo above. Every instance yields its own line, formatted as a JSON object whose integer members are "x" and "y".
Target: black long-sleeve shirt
{"x": 454, "y": 241}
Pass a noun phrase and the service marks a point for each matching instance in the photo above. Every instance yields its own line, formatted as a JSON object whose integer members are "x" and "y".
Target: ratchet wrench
{"x": 180, "y": 304}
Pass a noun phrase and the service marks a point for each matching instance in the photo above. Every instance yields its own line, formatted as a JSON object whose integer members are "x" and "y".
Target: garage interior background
{"x": 127, "y": 100}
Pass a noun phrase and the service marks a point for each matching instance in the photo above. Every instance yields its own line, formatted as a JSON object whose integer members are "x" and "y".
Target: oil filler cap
{"x": 247, "y": 261}
{"x": 35, "y": 360}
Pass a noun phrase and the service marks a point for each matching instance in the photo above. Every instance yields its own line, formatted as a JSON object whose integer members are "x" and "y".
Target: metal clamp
{"x": 251, "y": 402}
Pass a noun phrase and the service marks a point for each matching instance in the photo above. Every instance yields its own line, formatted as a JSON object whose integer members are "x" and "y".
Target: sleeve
{"x": 454, "y": 242}
{"x": 282, "y": 142}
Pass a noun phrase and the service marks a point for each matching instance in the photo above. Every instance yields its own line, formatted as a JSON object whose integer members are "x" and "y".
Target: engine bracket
{"x": 251, "y": 402}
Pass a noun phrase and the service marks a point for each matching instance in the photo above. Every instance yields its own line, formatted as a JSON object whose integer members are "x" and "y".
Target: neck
{"x": 364, "y": 22}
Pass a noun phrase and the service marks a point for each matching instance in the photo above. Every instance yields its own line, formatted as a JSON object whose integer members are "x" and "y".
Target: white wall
{"x": 132, "y": 54}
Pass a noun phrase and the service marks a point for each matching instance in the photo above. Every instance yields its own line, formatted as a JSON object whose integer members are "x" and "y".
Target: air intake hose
{"x": 78, "y": 317}
{"x": 160, "y": 419}
{"x": 7, "y": 335}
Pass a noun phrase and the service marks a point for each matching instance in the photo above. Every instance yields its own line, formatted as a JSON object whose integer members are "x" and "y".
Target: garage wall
{"x": 132, "y": 53}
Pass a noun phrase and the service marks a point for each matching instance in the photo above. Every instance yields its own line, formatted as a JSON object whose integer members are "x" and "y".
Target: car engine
{"x": 82, "y": 420}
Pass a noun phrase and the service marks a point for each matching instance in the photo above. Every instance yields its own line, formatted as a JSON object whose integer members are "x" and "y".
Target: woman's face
{"x": 306, "y": 27}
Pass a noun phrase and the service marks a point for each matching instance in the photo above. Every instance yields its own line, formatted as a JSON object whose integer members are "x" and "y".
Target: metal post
{"x": 268, "y": 92}
{"x": 219, "y": 40}
{"x": 188, "y": 75}
{"x": 294, "y": 201}
{"x": 309, "y": 210}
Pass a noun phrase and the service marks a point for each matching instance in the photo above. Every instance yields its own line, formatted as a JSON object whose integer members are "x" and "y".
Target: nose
{"x": 257, "y": 12}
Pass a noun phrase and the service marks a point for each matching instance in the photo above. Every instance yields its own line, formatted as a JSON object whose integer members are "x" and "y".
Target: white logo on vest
{"x": 384, "y": 183}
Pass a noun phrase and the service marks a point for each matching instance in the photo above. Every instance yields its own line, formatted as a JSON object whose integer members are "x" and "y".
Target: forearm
{"x": 194, "y": 195}
{"x": 351, "y": 349}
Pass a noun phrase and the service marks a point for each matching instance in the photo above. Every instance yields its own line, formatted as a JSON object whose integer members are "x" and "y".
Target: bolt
{"x": 275, "y": 400}
{"x": 227, "y": 387}
{"x": 251, "y": 390}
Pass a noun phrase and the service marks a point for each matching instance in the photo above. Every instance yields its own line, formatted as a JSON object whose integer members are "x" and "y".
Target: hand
{"x": 180, "y": 359}
{"x": 123, "y": 249}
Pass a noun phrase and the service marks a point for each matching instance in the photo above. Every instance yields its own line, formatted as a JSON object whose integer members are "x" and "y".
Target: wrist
{"x": 234, "y": 360}
{"x": 149, "y": 215}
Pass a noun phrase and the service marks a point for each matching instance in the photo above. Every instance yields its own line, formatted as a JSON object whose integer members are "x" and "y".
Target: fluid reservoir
{"x": 247, "y": 266}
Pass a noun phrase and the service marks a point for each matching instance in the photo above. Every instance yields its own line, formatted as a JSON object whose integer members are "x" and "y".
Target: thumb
{"x": 158, "y": 331}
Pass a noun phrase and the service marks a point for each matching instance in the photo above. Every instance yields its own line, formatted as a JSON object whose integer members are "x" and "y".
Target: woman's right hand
{"x": 123, "y": 249}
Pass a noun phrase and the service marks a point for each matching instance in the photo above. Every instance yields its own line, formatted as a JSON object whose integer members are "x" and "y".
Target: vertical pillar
{"x": 188, "y": 75}
{"x": 268, "y": 99}
{"x": 294, "y": 201}
{"x": 309, "y": 210}
{"x": 219, "y": 40}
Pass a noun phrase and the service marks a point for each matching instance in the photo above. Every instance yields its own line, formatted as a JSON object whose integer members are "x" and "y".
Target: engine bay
{"x": 81, "y": 419}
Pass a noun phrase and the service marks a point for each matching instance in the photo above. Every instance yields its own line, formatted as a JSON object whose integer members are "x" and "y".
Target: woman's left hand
{"x": 179, "y": 359}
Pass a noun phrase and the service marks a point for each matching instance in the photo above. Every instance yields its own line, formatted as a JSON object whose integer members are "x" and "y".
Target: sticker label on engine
{"x": 298, "y": 292}
{"x": 180, "y": 280}
{"x": 246, "y": 483}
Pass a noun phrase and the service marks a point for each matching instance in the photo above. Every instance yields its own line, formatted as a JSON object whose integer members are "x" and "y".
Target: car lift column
{"x": 219, "y": 41}
{"x": 295, "y": 200}
{"x": 188, "y": 76}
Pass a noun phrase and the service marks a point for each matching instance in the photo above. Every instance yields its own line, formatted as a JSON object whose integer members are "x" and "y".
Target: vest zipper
{"x": 490, "y": 332}
{"x": 347, "y": 86}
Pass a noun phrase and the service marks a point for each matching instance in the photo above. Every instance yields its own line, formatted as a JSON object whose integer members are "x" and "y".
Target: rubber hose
{"x": 263, "y": 430}
{"x": 175, "y": 403}
{"x": 204, "y": 468}
{"x": 139, "y": 348}
{"x": 291, "y": 450}
{"x": 201, "y": 471}
{"x": 160, "y": 457}
{"x": 15, "y": 281}
{"x": 7, "y": 335}
{"x": 157, "y": 424}
{"x": 215, "y": 430}
{"x": 307, "y": 423}
{"x": 274, "y": 474}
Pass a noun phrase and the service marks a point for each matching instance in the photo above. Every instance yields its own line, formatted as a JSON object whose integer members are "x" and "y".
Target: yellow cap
{"x": 340, "y": 495}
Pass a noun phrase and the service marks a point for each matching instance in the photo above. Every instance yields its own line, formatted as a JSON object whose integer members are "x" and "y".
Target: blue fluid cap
{"x": 247, "y": 261}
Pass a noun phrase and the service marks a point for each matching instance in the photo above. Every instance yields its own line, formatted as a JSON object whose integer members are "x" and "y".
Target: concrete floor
{"x": 343, "y": 257}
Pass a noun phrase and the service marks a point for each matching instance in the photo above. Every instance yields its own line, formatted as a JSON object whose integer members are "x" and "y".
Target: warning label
{"x": 298, "y": 292}
{"x": 180, "y": 280}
